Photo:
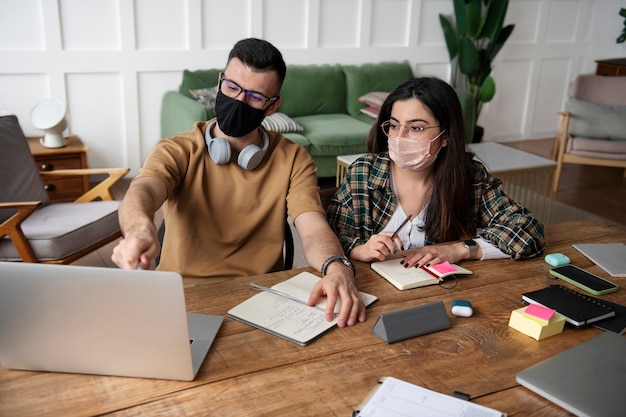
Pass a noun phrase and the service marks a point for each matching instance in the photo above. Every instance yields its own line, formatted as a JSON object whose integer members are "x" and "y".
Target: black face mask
{"x": 236, "y": 118}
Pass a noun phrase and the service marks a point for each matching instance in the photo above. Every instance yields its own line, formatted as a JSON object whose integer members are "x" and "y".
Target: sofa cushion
{"x": 373, "y": 102}
{"x": 374, "y": 98}
{"x": 591, "y": 120}
{"x": 193, "y": 80}
{"x": 299, "y": 138}
{"x": 365, "y": 78}
{"x": 205, "y": 96}
{"x": 313, "y": 89}
{"x": 334, "y": 134}
{"x": 281, "y": 123}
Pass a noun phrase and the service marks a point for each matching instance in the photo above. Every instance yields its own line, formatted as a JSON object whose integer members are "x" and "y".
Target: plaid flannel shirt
{"x": 364, "y": 203}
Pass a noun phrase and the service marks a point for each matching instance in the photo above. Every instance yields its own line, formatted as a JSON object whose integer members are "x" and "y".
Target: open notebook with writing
{"x": 407, "y": 278}
{"x": 282, "y": 311}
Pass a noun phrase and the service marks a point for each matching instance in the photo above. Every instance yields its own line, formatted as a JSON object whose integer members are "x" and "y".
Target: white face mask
{"x": 411, "y": 154}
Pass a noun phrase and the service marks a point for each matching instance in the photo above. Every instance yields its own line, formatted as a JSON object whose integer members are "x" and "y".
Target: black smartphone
{"x": 582, "y": 279}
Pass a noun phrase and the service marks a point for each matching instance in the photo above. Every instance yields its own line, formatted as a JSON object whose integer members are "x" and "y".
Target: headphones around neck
{"x": 249, "y": 158}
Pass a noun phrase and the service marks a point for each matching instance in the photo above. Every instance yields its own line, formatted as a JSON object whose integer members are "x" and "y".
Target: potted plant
{"x": 473, "y": 44}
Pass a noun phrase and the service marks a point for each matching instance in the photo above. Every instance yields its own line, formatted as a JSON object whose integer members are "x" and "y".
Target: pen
{"x": 283, "y": 294}
{"x": 402, "y": 225}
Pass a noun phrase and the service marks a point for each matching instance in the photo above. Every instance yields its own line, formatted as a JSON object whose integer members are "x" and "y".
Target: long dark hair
{"x": 449, "y": 216}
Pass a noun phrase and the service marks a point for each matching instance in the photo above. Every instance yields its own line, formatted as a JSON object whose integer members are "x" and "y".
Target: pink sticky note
{"x": 443, "y": 268}
{"x": 540, "y": 312}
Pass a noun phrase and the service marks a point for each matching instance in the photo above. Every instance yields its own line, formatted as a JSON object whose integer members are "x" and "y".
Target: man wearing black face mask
{"x": 228, "y": 186}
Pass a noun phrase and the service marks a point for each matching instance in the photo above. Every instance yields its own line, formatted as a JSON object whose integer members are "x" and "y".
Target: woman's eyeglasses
{"x": 254, "y": 99}
{"x": 394, "y": 129}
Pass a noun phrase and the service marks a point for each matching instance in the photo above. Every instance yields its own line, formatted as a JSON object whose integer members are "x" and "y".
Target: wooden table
{"x": 250, "y": 372}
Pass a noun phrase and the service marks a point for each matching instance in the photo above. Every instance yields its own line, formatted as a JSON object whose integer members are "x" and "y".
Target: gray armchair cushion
{"x": 594, "y": 148}
{"x": 59, "y": 230}
{"x": 596, "y": 121}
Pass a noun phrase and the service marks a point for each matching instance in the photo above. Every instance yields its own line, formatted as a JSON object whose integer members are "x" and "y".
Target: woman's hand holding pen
{"x": 378, "y": 247}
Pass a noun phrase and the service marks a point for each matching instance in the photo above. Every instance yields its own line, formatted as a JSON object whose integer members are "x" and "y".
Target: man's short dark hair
{"x": 260, "y": 55}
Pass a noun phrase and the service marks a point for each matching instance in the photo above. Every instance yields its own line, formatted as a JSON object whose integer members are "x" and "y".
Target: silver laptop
{"x": 103, "y": 321}
{"x": 588, "y": 379}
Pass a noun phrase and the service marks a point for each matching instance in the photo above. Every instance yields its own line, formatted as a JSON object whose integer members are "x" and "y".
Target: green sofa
{"x": 323, "y": 99}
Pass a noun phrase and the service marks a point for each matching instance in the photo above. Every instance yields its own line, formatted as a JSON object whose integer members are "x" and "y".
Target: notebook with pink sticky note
{"x": 407, "y": 278}
{"x": 539, "y": 313}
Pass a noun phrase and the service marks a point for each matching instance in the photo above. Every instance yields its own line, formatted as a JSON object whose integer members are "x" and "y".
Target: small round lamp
{"x": 49, "y": 116}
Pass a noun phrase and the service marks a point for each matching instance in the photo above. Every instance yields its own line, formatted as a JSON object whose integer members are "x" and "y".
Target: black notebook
{"x": 578, "y": 309}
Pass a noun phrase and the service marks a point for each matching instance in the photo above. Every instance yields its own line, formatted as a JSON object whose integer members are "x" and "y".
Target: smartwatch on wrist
{"x": 472, "y": 246}
{"x": 341, "y": 258}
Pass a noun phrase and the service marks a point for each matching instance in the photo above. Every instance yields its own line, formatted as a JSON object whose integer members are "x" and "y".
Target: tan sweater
{"x": 224, "y": 221}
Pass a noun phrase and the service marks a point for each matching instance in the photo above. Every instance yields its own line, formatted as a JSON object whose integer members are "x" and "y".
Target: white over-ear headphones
{"x": 249, "y": 158}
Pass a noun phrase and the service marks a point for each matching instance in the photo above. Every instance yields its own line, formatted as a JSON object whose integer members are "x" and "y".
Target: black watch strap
{"x": 341, "y": 258}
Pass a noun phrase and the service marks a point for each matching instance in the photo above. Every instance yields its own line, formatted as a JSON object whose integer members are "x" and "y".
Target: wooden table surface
{"x": 251, "y": 372}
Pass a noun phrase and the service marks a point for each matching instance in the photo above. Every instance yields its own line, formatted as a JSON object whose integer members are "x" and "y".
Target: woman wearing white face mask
{"x": 418, "y": 169}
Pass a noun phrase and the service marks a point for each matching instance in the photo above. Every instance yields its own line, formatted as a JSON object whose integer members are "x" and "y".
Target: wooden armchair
{"x": 32, "y": 229}
{"x": 592, "y": 130}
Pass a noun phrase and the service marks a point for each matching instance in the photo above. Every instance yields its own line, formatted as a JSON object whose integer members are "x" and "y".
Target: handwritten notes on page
{"x": 396, "y": 398}
{"x": 292, "y": 320}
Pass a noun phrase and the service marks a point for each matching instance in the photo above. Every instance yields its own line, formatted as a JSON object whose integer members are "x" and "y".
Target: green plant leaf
{"x": 473, "y": 9}
{"x": 460, "y": 14}
{"x": 452, "y": 42}
{"x": 495, "y": 47}
{"x": 469, "y": 61}
{"x": 495, "y": 12}
{"x": 622, "y": 12}
{"x": 487, "y": 90}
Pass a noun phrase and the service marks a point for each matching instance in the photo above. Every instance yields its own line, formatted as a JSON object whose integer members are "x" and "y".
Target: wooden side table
{"x": 71, "y": 156}
{"x": 611, "y": 67}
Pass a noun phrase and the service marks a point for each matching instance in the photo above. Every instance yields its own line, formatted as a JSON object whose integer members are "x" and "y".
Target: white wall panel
{"x": 525, "y": 15}
{"x": 550, "y": 94}
{"x": 225, "y": 22}
{"x": 285, "y": 23}
{"x": 112, "y": 60}
{"x": 21, "y": 25}
{"x": 390, "y": 23}
{"x": 430, "y": 32}
{"x": 340, "y": 23}
{"x": 435, "y": 70}
{"x": 90, "y": 25}
{"x": 97, "y": 115}
{"x": 152, "y": 86}
{"x": 505, "y": 114}
{"x": 31, "y": 89}
{"x": 162, "y": 25}
{"x": 563, "y": 20}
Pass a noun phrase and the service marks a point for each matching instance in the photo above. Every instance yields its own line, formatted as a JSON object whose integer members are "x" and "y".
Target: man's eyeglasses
{"x": 254, "y": 99}
{"x": 394, "y": 129}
